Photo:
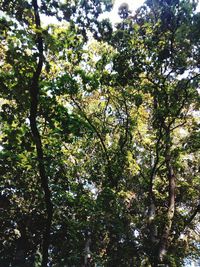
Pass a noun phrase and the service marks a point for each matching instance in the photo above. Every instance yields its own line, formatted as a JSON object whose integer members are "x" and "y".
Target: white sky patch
{"x": 198, "y": 7}
{"x": 113, "y": 15}
{"x": 46, "y": 20}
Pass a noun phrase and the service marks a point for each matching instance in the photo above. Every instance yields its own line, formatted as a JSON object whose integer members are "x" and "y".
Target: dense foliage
{"x": 99, "y": 128}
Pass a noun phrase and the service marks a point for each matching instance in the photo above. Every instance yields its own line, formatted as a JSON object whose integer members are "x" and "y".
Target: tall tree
{"x": 99, "y": 134}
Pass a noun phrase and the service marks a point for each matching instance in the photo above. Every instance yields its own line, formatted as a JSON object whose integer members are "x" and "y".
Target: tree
{"x": 100, "y": 134}
{"x": 159, "y": 59}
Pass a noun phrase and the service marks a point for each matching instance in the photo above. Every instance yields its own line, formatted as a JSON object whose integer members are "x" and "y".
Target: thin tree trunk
{"x": 152, "y": 201}
{"x": 164, "y": 242}
{"x": 34, "y": 94}
{"x": 152, "y": 212}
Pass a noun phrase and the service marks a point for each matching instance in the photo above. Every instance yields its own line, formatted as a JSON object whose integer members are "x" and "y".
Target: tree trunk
{"x": 164, "y": 242}
{"x": 34, "y": 94}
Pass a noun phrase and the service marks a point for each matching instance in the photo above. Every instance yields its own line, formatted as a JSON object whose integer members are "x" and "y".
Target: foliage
{"x": 99, "y": 134}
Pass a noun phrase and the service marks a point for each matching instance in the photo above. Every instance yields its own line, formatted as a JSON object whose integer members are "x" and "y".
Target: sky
{"x": 133, "y": 5}
{"x": 113, "y": 15}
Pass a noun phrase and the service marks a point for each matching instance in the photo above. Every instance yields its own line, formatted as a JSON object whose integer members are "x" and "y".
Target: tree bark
{"x": 152, "y": 200}
{"x": 34, "y": 95}
{"x": 164, "y": 241}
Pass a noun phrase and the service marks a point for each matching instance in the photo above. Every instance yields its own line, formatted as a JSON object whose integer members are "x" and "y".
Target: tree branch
{"x": 93, "y": 127}
{"x": 192, "y": 216}
{"x": 34, "y": 94}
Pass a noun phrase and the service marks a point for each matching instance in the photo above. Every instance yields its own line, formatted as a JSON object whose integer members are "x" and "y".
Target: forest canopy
{"x": 99, "y": 130}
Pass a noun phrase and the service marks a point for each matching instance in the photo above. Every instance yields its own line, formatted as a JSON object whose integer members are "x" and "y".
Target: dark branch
{"x": 34, "y": 94}
{"x": 193, "y": 215}
{"x": 93, "y": 127}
